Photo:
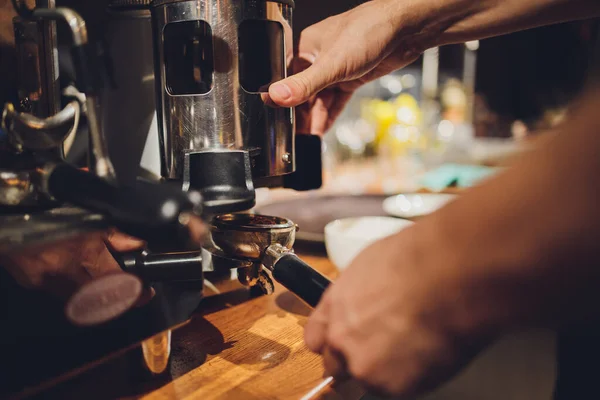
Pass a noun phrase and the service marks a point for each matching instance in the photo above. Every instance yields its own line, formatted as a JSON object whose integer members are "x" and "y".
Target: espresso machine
{"x": 190, "y": 80}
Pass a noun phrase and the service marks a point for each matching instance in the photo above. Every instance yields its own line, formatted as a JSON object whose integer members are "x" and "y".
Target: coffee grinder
{"x": 211, "y": 65}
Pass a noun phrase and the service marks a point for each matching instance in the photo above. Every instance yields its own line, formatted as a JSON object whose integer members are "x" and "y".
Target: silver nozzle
{"x": 73, "y": 19}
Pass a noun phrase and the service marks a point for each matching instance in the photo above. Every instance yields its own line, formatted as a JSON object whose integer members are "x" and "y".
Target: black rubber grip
{"x": 300, "y": 278}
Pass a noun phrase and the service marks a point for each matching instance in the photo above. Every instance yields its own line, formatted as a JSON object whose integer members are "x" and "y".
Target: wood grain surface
{"x": 234, "y": 347}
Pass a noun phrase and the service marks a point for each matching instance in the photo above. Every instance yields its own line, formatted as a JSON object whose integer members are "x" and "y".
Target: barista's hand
{"x": 350, "y": 49}
{"x": 393, "y": 325}
{"x": 336, "y": 56}
{"x": 60, "y": 268}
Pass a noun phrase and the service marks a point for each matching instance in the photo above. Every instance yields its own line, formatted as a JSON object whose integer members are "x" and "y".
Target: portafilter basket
{"x": 269, "y": 240}
{"x": 247, "y": 236}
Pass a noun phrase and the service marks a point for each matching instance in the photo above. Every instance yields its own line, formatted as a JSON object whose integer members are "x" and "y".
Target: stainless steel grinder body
{"x": 214, "y": 61}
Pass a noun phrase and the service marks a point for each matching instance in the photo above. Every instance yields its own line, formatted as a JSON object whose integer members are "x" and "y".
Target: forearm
{"x": 444, "y": 22}
{"x": 523, "y": 248}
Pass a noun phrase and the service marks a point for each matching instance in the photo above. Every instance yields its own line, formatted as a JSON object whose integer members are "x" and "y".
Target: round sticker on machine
{"x": 103, "y": 299}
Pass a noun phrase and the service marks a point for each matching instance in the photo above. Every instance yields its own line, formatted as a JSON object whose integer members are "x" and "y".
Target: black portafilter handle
{"x": 166, "y": 267}
{"x": 300, "y": 278}
{"x": 148, "y": 211}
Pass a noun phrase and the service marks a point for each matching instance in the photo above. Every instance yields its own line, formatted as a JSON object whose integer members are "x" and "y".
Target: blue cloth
{"x": 457, "y": 175}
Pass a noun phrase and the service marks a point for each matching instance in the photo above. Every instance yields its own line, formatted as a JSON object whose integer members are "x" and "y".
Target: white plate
{"x": 416, "y": 205}
{"x": 346, "y": 238}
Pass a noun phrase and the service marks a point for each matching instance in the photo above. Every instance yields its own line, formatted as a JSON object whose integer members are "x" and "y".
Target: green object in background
{"x": 456, "y": 175}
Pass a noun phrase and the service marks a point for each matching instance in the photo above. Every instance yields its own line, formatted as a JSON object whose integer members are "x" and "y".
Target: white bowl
{"x": 346, "y": 238}
{"x": 416, "y": 205}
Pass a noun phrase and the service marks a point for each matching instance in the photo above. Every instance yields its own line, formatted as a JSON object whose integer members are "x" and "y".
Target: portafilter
{"x": 256, "y": 244}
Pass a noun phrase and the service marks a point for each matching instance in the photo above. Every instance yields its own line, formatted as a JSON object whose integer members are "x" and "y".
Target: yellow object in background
{"x": 454, "y": 101}
{"x": 397, "y": 124}
{"x": 408, "y": 112}
{"x": 380, "y": 113}
{"x": 403, "y": 111}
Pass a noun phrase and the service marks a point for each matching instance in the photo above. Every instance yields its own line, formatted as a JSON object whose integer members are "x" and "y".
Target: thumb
{"x": 299, "y": 88}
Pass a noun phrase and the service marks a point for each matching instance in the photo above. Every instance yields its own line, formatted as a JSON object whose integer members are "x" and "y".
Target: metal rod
{"x": 73, "y": 19}
{"x": 430, "y": 73}
{"x": 429, "y": 86}
{"x": 319, "y": 388}
{"x": 49, "y": 68}
{"x": 469, "y": 75}
{"x": 101, "y": 163}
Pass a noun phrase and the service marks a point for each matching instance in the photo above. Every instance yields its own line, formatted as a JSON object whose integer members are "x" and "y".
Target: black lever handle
{"x": 167, "y": 267}
{"x": 160, "y": 214}
{"x": 300, "y": 278}
{"x": 309, "y": 168}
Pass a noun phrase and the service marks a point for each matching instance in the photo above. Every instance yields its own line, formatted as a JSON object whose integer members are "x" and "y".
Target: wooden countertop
{"x": 234, "y": 347}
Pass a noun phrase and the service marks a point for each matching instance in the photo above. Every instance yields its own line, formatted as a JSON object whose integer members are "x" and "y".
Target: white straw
{"x": 318, "y": 388}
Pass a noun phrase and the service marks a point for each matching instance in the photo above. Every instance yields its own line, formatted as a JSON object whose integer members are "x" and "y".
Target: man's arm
{"x": 537, "y": 225}
{"x": 459, "y": 21}
{"x": 518, "y": 251}
{"x": 380, "y": 36}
